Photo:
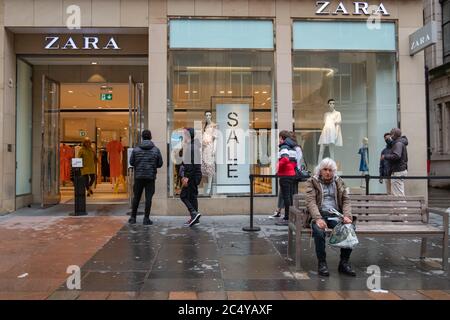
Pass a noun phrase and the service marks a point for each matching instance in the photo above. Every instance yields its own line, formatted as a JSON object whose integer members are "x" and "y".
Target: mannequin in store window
{"x": 115, "y": 148}
{"x": 364, "y": 161}
{"x": 331, "y": 135}
{"x": 209, "y": 148}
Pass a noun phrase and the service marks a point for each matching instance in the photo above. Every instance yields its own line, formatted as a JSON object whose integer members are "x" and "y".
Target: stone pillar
{"x": 283, "y": 64}
{"x": 7, "y": 122}
{"x": 412, "y": 98}
{"x": 157, "y": 86}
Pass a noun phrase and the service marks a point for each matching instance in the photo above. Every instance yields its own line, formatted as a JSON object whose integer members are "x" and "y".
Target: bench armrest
{"x": 445, "y": 214}
{"x": 439, "y": 211}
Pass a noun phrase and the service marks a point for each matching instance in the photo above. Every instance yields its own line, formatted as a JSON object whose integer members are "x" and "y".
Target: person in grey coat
{"x": 146, "y": 159}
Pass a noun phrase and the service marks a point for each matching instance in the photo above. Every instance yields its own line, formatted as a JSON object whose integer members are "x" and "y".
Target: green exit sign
{"x": 105, "y": 96}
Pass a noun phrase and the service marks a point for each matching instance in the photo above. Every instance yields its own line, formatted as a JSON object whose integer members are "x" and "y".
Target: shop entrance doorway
{"x": 111, "y": 115}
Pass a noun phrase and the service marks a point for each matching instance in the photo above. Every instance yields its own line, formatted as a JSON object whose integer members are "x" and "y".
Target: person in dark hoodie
{"x": 191, "y": 175}
{"x": 397, "y": 158}
{"x": 146, "y": 159}
{"x": 385, "y": 168}
{"x": 287, "y": 161}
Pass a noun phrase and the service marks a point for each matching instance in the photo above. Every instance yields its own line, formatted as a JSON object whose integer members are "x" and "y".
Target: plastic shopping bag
{"x": 343, "y": 236}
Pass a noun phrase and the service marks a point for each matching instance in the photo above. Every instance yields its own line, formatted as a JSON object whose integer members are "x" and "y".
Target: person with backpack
{"x": 287, "y": 162}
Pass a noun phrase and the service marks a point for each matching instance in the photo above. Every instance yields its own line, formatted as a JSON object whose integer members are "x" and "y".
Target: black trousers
{"x": 189, "y": 196}
{"x": 139, "y": 186}
{"x": 89, "y": 180}
{"x": 319, "y": 240}
{"x": 287, "y": 191}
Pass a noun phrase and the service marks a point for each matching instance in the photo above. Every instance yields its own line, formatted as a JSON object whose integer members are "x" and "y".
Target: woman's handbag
{"x": 302, "y": 175}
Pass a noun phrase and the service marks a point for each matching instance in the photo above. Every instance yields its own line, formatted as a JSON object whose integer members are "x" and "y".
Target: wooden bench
{"x": 377, "y": 215}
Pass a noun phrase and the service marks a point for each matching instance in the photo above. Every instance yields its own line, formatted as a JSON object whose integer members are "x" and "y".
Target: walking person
{"x": 385, "y": 170}
{"x": 397, "y": 158}
{"x": 89, "y": 157}
{"x": 326, "y": 192}
{"x": 287, "y": 161}
{"x": 146, "y": 159}
{"x": 298, "y": 157}
{"x": 280, "y": 206}
{"x": 191, "y": 175}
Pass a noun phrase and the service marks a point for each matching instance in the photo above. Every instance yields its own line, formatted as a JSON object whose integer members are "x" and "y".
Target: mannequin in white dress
{"x": 331, "y": 135}
{"x": 209, "y": 147}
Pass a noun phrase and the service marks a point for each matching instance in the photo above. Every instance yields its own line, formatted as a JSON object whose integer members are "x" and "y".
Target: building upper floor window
{"x": 441, "y": 128}
{"x": 446, "y": 29}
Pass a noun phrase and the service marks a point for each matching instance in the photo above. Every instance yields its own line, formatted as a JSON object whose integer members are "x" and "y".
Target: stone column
{"x": 283, "y": 65}
{"x": 157, "y": 86}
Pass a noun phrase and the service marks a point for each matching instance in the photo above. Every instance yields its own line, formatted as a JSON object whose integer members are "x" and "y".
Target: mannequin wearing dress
{"x": 364, "y": 162}
{"x": 209, "y": 145}
{"x": 331, "y": 135}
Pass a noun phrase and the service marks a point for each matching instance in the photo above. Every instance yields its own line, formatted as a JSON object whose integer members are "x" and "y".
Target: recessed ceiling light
{"x": 256, "y": 92}
{"x": 222, "y": 91}
{"x": 94, "y": 62}
{"x": 194, "y": 91}
{"x": 186, "y": 91}
{"x": 230, "y": 91}
{"x": 264, "y": 92}
{"x": 99, "y": 107}
{"x": 70, "y": 91}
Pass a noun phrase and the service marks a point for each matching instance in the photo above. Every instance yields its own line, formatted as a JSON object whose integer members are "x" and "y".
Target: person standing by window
{"x": 146, "y": 159}
{"x": 287, "y": 161}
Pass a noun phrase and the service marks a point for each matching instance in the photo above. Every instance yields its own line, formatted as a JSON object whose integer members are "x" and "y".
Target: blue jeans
{"x": 319, "y": 240}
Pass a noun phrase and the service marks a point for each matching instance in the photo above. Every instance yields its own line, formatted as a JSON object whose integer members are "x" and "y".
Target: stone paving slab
{"x": 212, "y": 260}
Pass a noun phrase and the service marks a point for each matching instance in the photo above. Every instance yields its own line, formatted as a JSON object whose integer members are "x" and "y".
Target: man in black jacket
{"x": 398, "y": 161}
{"x": 385, "y": 166}
{"x": 145, "y": 159}
{"x": 191, "y": 175}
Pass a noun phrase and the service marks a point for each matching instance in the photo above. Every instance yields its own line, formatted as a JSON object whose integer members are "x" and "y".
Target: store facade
{"x": 237, "y": 71}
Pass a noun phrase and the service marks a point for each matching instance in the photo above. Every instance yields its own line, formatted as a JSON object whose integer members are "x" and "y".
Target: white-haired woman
{"x": 326, "y": 191}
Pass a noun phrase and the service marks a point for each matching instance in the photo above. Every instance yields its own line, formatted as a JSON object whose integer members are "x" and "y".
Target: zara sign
{"x": 358, "y": 8}
{"x": 86, "y": 43}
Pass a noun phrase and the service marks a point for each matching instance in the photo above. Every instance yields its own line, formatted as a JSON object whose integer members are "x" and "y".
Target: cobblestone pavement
{"x": 215, "y": 259}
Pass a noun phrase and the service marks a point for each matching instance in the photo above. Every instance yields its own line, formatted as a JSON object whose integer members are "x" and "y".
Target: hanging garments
{"x": 114, "y": 149}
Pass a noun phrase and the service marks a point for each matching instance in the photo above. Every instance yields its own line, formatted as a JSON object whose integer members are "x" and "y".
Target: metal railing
{"x": 366, "y": 178}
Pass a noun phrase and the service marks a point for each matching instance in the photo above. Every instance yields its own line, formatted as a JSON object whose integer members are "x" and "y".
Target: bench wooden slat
{"x": 389, "y": 217}
{"x": 376, "y": 211}
{"x": 377, "y": 197}
{"x": 372, "y": 198}
{"x": 362, "y": 229}
{"x": 387, "y": 204}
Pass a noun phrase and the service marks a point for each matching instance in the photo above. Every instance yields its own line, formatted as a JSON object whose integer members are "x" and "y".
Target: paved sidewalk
{"x": 213, "y": 260}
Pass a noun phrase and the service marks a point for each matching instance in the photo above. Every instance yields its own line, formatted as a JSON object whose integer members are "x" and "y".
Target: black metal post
{"x": 367, "y": 177}
{"x": 251, "y": 228}
{"x": 79, "y": 193}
